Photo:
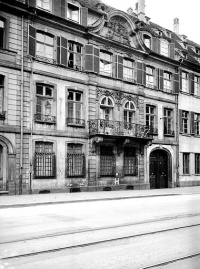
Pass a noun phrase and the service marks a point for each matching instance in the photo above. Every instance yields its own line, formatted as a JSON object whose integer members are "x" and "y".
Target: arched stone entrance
{"x": 160, "y": 169}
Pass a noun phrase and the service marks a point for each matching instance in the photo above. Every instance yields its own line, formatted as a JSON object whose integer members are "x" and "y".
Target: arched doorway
{"x": 3, "y": 166}
{"x": 159, "y": 169}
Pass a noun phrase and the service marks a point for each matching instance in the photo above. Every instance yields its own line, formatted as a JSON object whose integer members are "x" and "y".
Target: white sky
{"x": 163, "y": 13}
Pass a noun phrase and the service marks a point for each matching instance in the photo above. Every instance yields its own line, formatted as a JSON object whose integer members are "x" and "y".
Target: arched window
{"x": 129, "y": 112}
{"x": 147, "y": 41}
{"x": 106, "y": 108}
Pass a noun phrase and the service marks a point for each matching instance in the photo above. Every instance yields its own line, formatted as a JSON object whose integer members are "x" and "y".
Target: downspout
{"x": 31, "y": 127}
{"x": 22, "y": 101}
{"x": 177, "y": 142}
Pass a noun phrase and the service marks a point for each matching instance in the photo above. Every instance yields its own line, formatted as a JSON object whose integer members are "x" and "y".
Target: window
{"x": 73, "y": 13}
{"x": 130, "y": 161}
{"x": 197, "y": 124}
{"x": 45, "y": 160}
{"x": 2, "y": 33}
{"x": 197, "y": 163}
{"x": 44, "y": 46}
{"x": 196, "y": 86}
{"x": 106, "y": 108}
{"x": 129, "y": 111}
{"x": 147, "y": 41}
{"x": 167, "y": 82}
{"x": 105, "y": 63}
{"x": 185, "y": 122}
{"x": 1, "y": 92}
{"x": 75, "y": 106}
{"x": 168, "y": 122}
{"x": 44, "y": 104}
{"x": 149, "y": 77}
{"x": 186, "y": 163}
{"x": 197, "y": 51}
{"x": 74, "y": 55}
{"x": 128, "y": 69}
{"x": 185, "y": 87}
{"x": 107, "y": 161}
{"x": 44, "y": 4}
{"x": 164, "y": 48}
{"x": 75, "y": 160}
{"x": 150, "y": 117}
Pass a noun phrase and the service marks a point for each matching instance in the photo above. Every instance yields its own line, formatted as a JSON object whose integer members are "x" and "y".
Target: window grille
{"x": 130, "y": 162}
{"x": 107, "y": 161}
{"x": 75, "y": 161}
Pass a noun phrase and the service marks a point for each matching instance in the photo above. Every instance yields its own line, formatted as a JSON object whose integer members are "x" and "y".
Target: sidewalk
{"x": 61, "y": 198}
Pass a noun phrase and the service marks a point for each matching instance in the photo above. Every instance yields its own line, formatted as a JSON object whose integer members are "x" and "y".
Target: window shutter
{"x": 144, "y": 73}
{"x": 58, "y": 50}
{"x": 63, "y": 8}
{"x": 161, "y": 80}
{"x": 89, "y": 58}
{"x": 180, "y": 79}
{"x": 172, "y": 50}
{"x": 192, "y": 122}
{"x": 176, "y": 83}
{"x": 32, "y": 3}
{"x": 155, "y": 44}
{"x": 32, "y": 41}
{"x": 119, "y": 66}
{"x": 63, "y": 49}
{"x": 84, "y": 16}
{"x": 96, "y": 59}
{"x": 180, "y": 121}
{"x": 158, "y": 45}
{"x": 139, "y": 72}
{"x": 191, "y": 83}
{"x": 57, "y": 7}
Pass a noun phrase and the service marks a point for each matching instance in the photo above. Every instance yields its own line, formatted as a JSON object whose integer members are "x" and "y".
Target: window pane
{"x": 48, "y": 91}
{"x": 78, "y": 96}
{"x": 39, "y": 90}
{"x": 70, "y": 96}
{"x": 49, "y": 40}
{"x": 40, "y": 37}
{"x": 1, "y": 24}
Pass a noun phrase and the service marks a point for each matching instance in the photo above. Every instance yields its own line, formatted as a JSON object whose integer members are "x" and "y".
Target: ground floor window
{"x": 75, "y": 160}
{"x": 45, "y": 160}
{"x": 186, "y": 163}
{"x": 107, "y": 161}
{"x": 130, "y": 161}
{"x": 197, "y": 163}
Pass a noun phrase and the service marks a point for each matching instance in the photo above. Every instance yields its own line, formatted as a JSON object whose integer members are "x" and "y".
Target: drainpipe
{"x": 22, "y": 100}
{"x": 177, "y": 141}
{"x": 31, "y": 127}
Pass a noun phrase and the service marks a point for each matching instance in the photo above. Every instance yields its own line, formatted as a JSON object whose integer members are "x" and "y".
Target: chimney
{"x": 140, "y": 8}
{"x": 176, "y": 26}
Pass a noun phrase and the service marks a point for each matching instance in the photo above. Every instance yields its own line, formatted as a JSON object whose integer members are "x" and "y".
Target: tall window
{"x": 107, "y": 161}
{"x": 167, "y": 82}
{"x": 150, "y": 77}
{"x": 75, "y": 106}
{"x": 129, "y": 111}
{"x": 185, "y": 83}
{"x": 150, "y": 117}
{"x": 168, "y": 121}
{"x": 185, "y": 122}
{"x": 147, "y": 41}
{"x": 128, "y": 69}
{"x": 105, "y": 63}
{"x": 44, "y": 103}
{"x": 44, "y": 4}
{"x": 196, "y": 85}
{"x": 130, "y": 161}
{"x": 197, "y": 123}
{"x": 75, "y": 160}
{"x": 73, "y": 12}
{"x": 75, "y": 55}
{"x": 2, "y": 33}
{"x": 164, "y": 48}
{"x": 45, "y": 160}
{"x": 1, "y": 92}
{"x": 186, "y": 163}
{"x": 106, "y": 108}
{"x": 197, "y": 163}
{"x": 44, "y": 46}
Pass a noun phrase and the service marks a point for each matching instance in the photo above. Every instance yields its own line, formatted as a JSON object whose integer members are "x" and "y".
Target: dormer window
{"x": 44, "y": 4}
{"x": 164, "y": 48}
{"x": 73, "y": 12}
{"x": 197, "y": 51}
{"x": 147, "y": 41}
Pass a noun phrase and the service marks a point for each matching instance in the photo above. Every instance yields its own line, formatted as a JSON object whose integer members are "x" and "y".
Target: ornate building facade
{"x": 93, "y": 98}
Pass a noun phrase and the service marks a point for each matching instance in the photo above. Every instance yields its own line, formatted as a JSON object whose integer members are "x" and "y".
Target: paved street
{"x": 117, "y": 233}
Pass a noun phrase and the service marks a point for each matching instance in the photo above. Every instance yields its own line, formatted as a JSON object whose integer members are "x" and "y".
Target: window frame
{"x": 164, "y": 47}
{"x": 130, "y": 112}
{"x": 108, "y": 161}
{"x": 185, "y": 122}
{"x": 75, "y": 55}
{"x": 185, "y": 82}
{"x": 197, "y": 123}
{"x": 75, "y": 121}
{"x": 186, "y": 163}
{"x": 67, "y": 11}
{"x": 150, "y": 84}
{"x": 102, "y": 70}
{"x": 130, "y": 69}
{"x": 106, "y": 109}
{"x": 2, "y": 32}
{"x": 128, "y": 158}
{"x": 197, "y": 163}
{"x": 167, "y": 82}
{"x": 168, "y": 122}
{"x": 147, "y": 37}
{"x": 42, "y": 5}
{"x": 151, "y": 117}
{"x": 196, "y": 85}
{"x": 44, "y": 55}
{"x": 73, "y": 158}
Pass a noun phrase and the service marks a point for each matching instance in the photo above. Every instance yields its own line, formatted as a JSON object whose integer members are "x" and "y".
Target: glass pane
{"x": 78, "y": 48}
{"x": 40, "y": 49}
{"x": 49, "y": 52}
{"x": 40, "y": 37}
{"x": 39, "y": 90}
{"x": 70, "y": 110}
{"x": 103, "y": 102}
{"x": 70, "y": 46}
{"x": 127, "y": 105}
{"x": 78, "y": 111}
{"x": 110, "y": 102}
{"x": 132, "y": 106}
{"x": 48, "y": 91}
{"x": 70, "y": 96}
{"x": 1, "y": 24}
{"x": 49, "y": 40}
{"x": 78, "y": 97}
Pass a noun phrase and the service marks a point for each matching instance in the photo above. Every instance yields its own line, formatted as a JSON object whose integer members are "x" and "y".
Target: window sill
{"x": 75, "y": 122}
{"x": 185, "y": 134}
{"x": 76, "y": 176}
{"x": 105, "y": 74}
{"x": 170, "y": 135}
{"x": 51, "y": 177}
{"x": 47, "y": 122}
{"x": 76, "y": 125}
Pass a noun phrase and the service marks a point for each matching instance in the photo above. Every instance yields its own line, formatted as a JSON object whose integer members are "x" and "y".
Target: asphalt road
{"x": 155, "y": 232}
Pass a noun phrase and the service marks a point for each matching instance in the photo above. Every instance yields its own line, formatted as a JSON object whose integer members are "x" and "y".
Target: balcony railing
{"x": 117, "y": 128}
{"x": 75, "y": 121}
{"x": 45, "y": 118}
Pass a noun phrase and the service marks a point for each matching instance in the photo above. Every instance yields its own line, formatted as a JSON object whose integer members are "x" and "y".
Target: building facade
{"x": 93, "y": 98}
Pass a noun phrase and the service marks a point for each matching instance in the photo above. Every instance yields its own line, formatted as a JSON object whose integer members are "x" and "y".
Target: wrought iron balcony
{"x": 118, "y": 128}
{"x": 76, "y": 122}
{"x": 45, "y": 118}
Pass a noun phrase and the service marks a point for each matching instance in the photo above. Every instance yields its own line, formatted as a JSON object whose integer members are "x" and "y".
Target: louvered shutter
{"x": 57, "y": 7}
{"x": 119, "y": 66}
{"x": 58, "y": 50}
{"x": 32, "y": 41}
{"x": 161, "y": 79}
{"x": 180, "y": 121}
{"x": 144, "y": 73}
{"x": 158, "y": 45}
{"x": 176, "y": 83}
{"x": 155, "y": 44}
{"x": 192, "y": 123}
{"x": 32, "y": 3}
{"x": 84, "y": 16}
{"x": 92, "y": 55}
{"x": 172, "y": 50}
{"x": 63, "y": 8}
{"x": 139, "y": 73}
{"x": 63, "y": 49}
{"x": 191, "y": 83}
{"x": 96, "y": 60}
{"x": 180, "y": 79}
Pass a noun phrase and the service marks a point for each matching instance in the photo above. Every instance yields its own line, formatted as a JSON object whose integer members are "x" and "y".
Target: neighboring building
{"x": 101, "y": 101}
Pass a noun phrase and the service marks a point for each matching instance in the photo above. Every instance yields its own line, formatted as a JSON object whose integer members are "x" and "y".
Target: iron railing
{"x": 118, "y": 128}
{"x": 45, "y": 165}
{"x": 45, "y": 118}
{"x": 75, "y": 121}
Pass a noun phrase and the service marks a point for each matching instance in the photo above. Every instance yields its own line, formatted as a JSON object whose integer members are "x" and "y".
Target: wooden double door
{"x": 158, "y": 169}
